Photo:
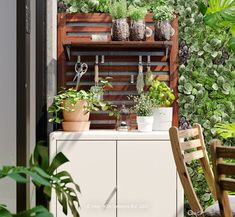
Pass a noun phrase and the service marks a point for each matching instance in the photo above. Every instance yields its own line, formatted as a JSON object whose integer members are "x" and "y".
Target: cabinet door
{"x": 93, "y": 166}
{"x": 146, "y": 179}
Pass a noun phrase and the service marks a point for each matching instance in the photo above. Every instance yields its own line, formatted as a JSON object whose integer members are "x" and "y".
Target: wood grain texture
{"x": 75, "y": 30}
{"x": 221, "y": 183}
{"x": 194, "y": 140}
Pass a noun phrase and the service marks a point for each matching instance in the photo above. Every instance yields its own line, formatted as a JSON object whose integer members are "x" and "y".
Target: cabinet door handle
{"x": 110, "y": 197}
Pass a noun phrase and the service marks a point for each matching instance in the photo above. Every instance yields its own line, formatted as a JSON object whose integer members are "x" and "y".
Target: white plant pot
{"x": 162, "y": 118}
{"x": 145, "y": 123}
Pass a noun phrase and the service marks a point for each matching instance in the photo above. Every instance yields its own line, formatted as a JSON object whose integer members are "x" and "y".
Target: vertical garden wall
{"x": 207, "y": 79}
{"x": 207, "y": 72}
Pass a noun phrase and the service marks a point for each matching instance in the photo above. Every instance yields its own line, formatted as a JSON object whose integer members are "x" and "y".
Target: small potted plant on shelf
{"x": 72, "y": 108}
{"x": 138, "y": 29}
{"x": 163, "y": 15}
{"x": 120, "y": 27}
{"x": 144, "y": 109}
{"x": 162, "y": 97}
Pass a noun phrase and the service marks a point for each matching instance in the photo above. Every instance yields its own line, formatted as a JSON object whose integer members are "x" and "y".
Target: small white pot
{"x": 145, "y": 123}
{"x": 162, "y": 118}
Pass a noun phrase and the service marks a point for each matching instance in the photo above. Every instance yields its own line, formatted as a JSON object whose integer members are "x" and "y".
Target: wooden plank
{"x": 226, "y": 169}
{"x": 193, "y": 156}
{"x": 174, "y": 62}
{"x": 227, "y": 184}
{"x": 95, "y": 29}
{"x": 190, "y": 144}
{"x": 89, "y": 17}
{"x": 188, "y": 133}
{"x": 226, "y": 152}
{"x": 60, "y": 50}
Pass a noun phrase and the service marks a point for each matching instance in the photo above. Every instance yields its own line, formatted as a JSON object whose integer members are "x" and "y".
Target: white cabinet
{"x": 146, "y": 179}
{"x": 93, "y": 166}
{"x": 136, "y": 171}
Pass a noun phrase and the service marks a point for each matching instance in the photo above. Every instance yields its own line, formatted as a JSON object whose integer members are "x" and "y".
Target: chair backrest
{"x": 223, "y": 172}
{"x": 188, "y": 145}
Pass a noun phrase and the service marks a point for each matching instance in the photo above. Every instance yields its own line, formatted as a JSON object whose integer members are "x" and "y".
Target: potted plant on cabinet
{"x": 162, "y": 97}
{"x": 138, "y": 29}
{"x": 120, "y": 27}
{"x": 72, "y": 108}
{"x": 163, "y": 15}
{"x": 144, "y": 110}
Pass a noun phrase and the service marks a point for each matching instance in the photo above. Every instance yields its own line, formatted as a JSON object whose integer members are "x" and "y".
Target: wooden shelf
{"x": 115, "y": 44}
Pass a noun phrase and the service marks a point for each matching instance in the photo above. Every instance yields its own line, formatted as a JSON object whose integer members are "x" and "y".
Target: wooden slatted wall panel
{"x": 79, "y": 28}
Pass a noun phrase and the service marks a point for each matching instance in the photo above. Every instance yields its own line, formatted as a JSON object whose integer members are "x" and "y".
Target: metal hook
{"x": 148, "y": 60}
{"x": 167, "y": 51}
{"x": 102, "y": 59}
{"x": 140, "y": 60}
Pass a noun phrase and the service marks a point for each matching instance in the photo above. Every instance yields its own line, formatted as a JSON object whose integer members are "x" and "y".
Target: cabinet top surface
{"x": 109, "y": 135}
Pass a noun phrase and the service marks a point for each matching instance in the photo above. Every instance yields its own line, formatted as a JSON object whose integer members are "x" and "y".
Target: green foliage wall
{"x": 207, "y": 77}
{"x": 206, "y": 82}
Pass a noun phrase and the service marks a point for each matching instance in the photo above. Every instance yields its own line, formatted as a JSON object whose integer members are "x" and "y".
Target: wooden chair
{"x": 188, "y": 145}
{"x": 222, "y": 170}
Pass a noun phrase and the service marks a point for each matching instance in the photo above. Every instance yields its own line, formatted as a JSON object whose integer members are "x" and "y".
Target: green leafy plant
{"x": 67, "y": 99}
{"x": 225, "y": 130}
{"x": 137, "y": 13}
{"x": 143, "y": 105}
{"x": 44, "y": 175}
{"x": 161, "y": 94}
{"x": 163, "y": 12}
{"x": 220, "y": 14}
{"x": 81, "y": 6}
{"x": 118, "y": 9}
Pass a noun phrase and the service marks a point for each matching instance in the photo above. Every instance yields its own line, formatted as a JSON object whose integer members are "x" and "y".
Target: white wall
{"x": 8, "y": 97}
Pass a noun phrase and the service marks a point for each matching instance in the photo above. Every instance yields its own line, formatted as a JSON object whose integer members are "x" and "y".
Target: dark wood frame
{"x": 65, "y": 42}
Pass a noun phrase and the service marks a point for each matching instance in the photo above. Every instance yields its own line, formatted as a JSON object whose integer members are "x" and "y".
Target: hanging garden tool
{"x": 140, "y": 77}
{"x": 96, "y": 89}
{"x": 149, "y": 73}
{"x": 80, "y": 69}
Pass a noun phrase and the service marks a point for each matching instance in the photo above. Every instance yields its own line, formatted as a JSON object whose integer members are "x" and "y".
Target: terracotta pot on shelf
{"x": 77, "y": 120}
{"x": 79, "y": 113}
{"x": 78, "y": 126}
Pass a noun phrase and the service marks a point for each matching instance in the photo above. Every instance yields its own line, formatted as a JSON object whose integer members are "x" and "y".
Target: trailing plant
{"x": 81, "y": 6}
{"x": 137, "y": 13}
{"x": 118, "y": 9}
{"x": 163, "y": 12}
{"x": 225, "y": 130}
{"x": 161, "y": 94}
{"x": 143, "y": 105}
{"x": 44, "y": 175}
{"x": 220, "y": 14}
{"x": 67, "y": 99}
{"x": 206, "y": 82}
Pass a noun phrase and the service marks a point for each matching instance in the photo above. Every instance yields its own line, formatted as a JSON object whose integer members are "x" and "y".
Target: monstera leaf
{"x": 219, "y": 14}
{"x": 66, "y": 195}
{"x": 38, "y": 211}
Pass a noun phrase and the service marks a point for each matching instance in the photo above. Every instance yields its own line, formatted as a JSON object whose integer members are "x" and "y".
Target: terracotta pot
{"x": 79, "y": 114}
{"x": 76, "y": 126}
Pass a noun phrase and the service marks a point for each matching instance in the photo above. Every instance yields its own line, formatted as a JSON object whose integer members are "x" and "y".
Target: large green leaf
{"x": 226, "y": 130}
{"x": 232, "y": 43}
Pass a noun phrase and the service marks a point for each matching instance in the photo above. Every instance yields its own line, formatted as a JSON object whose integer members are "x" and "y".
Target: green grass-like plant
{"x": 118, "y": 9}
{"x": 163, "y": 12}
{"x": 143, "y": 105}
{"x": 137, "y": 13}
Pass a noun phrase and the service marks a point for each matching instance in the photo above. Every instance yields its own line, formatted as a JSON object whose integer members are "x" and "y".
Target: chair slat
{"x": 190, "y": 144}
{"x": 193, "y": 156}
{"x": 226, "y": 169}
{"x": 188, "y": 133}
{"x": 227, "y": 184}
{"x": 225, "y": 152}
